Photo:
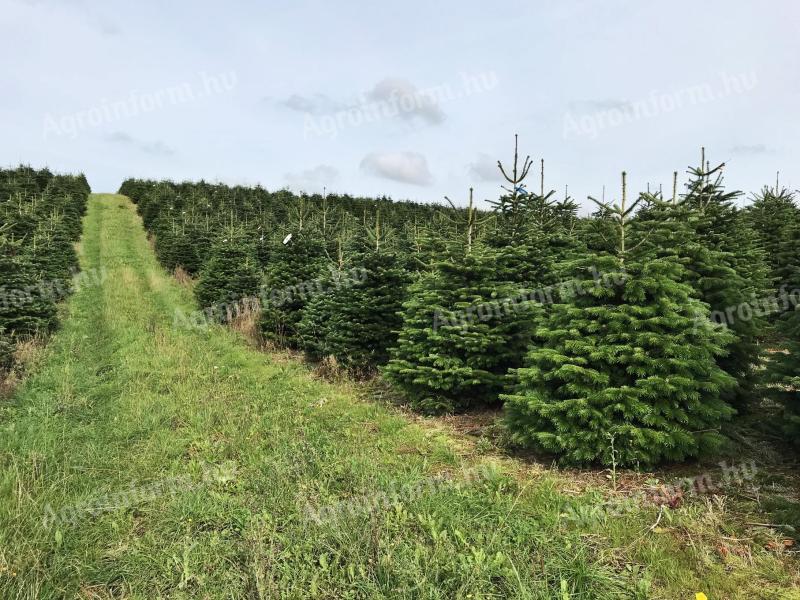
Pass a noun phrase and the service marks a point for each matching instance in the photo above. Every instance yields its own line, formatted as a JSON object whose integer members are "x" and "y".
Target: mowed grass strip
{"x": 146, "y": 461}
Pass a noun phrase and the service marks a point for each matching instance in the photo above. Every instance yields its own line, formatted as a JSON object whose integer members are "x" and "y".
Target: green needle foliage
{"x": 732, "y": 277}
{"x": 294, "y": 277}
{"x": 458, "y": 341}
{"x": 784, "y": 375}
{"x": 40, "y": 220}
{"x": 625, "y": 372}
{"x": 699, "y": 252}
{"x": 534, "y": 230}
{"x": 788, "y": 274}
{"x": 773, "y": 215}
{"x": 24, "y": 309}
{"x": 54, "y": 257}
{"x": 229, "y": 277}
{"x": 225, "y": 475}
{"x": 320, "y": 315}
{"x": 357, "y": 319}
{"x": 177, "y": 247}
{"x": 669, "y": 229}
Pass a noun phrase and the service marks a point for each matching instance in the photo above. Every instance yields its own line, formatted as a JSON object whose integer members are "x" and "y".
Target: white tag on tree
{"x": 287, "y": 239}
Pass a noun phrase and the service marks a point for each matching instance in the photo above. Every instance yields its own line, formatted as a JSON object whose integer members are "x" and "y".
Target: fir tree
{"x": 784, "y": 375}
{"x": 357, "y": 319}
{"x": 68, "y": 195}
{"x": 230, "y": 277}
{"x": 176, "y": 247}
{"x": 319, "y": 315}
{"x": 783, "y": 242}
{"x": 459, "y": 335}
{"x": 735, "y": 274}
{"x": 184, "y": 253}
{"x": 670, "y": 229}
{"x": 525, "y": 227}
{"x": 788, "y": 273}
{"x": 24, "y": 309}
{"x": 783, "y": 365}
{"x": 54, "y": 256}
{"x": 263, "y": 246}
{"x": 161, "y": 197}
{"x": 624, "y": 371}
{"x": 773, "y": 214}
{"x": 294, "y": 277}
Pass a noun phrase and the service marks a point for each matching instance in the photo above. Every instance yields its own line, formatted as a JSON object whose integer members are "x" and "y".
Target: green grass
{"x": 123, "y": 399}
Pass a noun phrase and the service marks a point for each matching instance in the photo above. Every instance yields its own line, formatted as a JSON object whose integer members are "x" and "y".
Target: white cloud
{"x": 399, "y": 97}
{"x": 410, "y": 101}
{"x": 318, "y": 104}
{"x": 119, "y": 137}
{"x": 485, "y": 168}
{"x": 751, "y": 149}
{"x": 312, "y": 180}
{"x": 58, "y": 51}
{"x": 408, "y": 167}
{"x": 156, "y": 148}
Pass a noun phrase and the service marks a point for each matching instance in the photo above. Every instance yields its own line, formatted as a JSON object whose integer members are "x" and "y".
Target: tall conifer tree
{"x": 230, "y": 277}
{"x": 773, "y": 215}
{"x": 357, "y": 319}
{"x": 623, "y": 372}
{"x": 459, "y": 337}
{"x": 784, "y": 375}
{"x": 295, "y": 275}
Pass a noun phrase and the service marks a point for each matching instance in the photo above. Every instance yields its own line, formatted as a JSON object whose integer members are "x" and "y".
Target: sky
{"x": 413, "y": 100}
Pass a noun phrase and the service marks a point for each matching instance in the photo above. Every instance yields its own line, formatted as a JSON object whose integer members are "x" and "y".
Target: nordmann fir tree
{"x": 735, "y": 281}
{"x": 150, "y": 205}
{"x": 459, "y": 335}
{"x": 725, "y": 228}
{"x": 598, "y": 231}
{"x": 357, "y": 319}
{"x": 670, "y": 229}
{"x": 294, "y": 276}
{"x": 319, "y": 312}
{"x": 183, "y": 251}
{"x": 68, "y": 195}
{"x": 622, "y": 372}
{"x": 53, "y": 253}
{"x": 229, "y": 281}
{"x": 40, "y": 218}
{"x": 783, "y": 374}
{"x": 521, "y": 226}
{"x": 773, "y": 214}
{"x": 788, "y": 273}
{"x": 25, "y": 309}
{"x": 175, "y": 244}
{"x": 783, "y": 365}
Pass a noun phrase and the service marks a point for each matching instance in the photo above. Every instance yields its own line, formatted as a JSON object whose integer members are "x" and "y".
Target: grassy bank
{"x": 142, "y": 460}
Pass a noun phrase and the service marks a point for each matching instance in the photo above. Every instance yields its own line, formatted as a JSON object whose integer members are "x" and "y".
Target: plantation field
{"x": 141, "y": 460}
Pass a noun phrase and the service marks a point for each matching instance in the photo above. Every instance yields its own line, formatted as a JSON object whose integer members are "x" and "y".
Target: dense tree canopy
{"x": 40, "y": 221}
{"x": 630, "y": 335}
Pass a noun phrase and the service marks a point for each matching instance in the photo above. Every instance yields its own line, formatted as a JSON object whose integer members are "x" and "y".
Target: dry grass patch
{"x": 27, "y": 355}
{"x": 246, "y": 321}
{"x": 183, "y": 277}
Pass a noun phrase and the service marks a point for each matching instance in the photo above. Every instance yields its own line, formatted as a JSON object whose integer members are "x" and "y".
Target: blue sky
{"x": 409, "y": 99}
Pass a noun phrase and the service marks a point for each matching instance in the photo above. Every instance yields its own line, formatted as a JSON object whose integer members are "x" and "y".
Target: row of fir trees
{"x": 40, "y": 221}
{"x": 632, "y": 336}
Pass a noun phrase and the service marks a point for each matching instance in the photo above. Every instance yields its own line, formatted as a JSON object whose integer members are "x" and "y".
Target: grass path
{"x": 144, "y": 461}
